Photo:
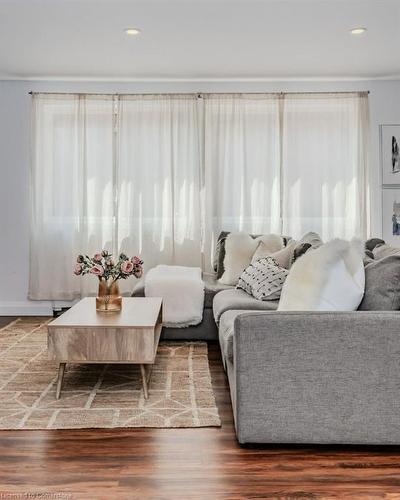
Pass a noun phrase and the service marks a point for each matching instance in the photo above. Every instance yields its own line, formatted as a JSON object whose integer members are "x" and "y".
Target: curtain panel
{"x": 162, "y": 175}
{"x": 72, "y": 190}
{"x": 242, "y": 165}
{"x": 115, "y": 173}
{"x": 324, "y": 165}
{"x": 158, "y": 179}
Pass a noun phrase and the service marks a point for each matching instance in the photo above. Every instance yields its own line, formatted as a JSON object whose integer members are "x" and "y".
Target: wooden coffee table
{"x": 83, "y": 335}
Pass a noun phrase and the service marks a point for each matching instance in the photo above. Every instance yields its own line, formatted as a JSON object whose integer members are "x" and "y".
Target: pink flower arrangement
{"x": 103, "y": 266}
{"x": 127, "y": 267}
{"x": 78, "y": 269}
{"x": 97, "y": 269}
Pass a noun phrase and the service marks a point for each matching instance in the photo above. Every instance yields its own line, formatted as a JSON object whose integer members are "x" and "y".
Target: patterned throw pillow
{"x": 263, "y": 279}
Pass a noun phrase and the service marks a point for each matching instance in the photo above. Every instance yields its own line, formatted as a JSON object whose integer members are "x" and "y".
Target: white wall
{"x": 15, "y": 160}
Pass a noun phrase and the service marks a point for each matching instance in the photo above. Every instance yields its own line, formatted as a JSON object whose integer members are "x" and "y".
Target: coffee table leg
{"x": 61, "y": 370}
{"x": 149, "y": 370}
{"x": 144, "y": 381}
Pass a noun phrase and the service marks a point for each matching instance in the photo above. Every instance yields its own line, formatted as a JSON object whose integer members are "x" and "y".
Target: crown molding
{"x": 112, "y": 79}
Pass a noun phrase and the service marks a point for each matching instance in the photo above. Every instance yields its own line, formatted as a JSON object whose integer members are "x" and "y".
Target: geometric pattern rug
{"x": 98, "y": 395}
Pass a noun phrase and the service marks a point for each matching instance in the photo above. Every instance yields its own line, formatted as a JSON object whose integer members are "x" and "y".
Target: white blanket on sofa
{"x": 182, "y": 291}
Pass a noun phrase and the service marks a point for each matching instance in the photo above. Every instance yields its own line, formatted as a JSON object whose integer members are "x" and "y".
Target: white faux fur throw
{"x": 182, "y": 291}
{"x": 330, "y": 278}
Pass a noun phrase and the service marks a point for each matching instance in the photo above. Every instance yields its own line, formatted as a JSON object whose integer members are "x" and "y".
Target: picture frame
{"x": 390, "y": 154}
{"x": 391, "y": 216}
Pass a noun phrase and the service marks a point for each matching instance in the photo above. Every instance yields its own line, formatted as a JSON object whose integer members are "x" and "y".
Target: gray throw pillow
{"x": 382, "y": 285}
{"x": 300, "y": 250}
{"x": 263, "y": 279}
{"x": 372, "y": 243}
{"x": 219, "y": 254}
{"x": 369, "y": 255}
{"x": 382, "y": 251}
{"x": 308, "y": 241}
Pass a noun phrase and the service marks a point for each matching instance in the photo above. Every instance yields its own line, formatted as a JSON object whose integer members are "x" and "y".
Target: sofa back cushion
{"x": 382, "y": 283}
{"x": 384, "y": 250}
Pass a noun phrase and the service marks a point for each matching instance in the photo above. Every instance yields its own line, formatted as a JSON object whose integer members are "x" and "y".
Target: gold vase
{"x": 109, "y": 298}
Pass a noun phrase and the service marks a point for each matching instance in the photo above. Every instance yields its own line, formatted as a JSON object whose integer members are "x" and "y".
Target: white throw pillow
{"x": 329, "y": 278}
{"x": 284, "y": 257}
{"x": 239, "y": 250}
{"x": 267, "y": 245}
{"x": 263, "y": 279}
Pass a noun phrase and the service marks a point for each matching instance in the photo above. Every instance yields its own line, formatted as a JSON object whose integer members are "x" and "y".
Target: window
{"x": 162, "y": 175}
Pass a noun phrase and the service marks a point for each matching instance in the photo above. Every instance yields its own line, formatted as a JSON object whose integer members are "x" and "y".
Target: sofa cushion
{"x": 382, "y": 285}
{"x": 384, "y": 250}
{"x": 225, "y": 333}
{"x": 238, "y": 299}
{"x": 211, "y": 287}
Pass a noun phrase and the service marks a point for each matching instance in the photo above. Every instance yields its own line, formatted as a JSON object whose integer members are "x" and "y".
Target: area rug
{"x": 102, "y": 396}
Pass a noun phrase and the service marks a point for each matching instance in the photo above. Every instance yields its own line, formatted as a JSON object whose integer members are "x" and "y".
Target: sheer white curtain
{"x": 242, "y": 165}
{"x": 324, "y": 164}
{"x": 159, "y": 179}
{"x": 116, "y": 173}
{"x": 162, "y": 175}
{"x": 72, "y": 190}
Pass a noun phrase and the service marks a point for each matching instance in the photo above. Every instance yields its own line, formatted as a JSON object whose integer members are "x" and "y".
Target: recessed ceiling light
{"x": 358, "y": 31}
{"x": 132, "y": 31}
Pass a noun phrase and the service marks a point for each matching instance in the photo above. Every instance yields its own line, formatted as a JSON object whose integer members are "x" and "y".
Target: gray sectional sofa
{"x": 304, "y": 377}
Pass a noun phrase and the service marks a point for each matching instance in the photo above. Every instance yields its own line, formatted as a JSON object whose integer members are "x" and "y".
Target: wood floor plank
{"x": 189, "y": 463}
{"x": 5, "y": 320}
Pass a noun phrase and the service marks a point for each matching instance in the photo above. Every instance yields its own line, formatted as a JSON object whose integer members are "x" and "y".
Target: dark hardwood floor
{"x": 188, "y": 464}
{"x": 4, "y": 320}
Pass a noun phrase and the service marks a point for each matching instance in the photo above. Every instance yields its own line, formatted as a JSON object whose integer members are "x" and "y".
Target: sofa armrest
{"x": 317, "y": 377}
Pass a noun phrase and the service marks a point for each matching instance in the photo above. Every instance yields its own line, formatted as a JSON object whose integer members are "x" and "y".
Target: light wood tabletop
{"x": 136, "y": 312}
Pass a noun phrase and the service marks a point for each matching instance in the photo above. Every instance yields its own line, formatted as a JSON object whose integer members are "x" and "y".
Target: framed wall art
{"x": 390, "y": 154}
{"x": 391, "y": 216}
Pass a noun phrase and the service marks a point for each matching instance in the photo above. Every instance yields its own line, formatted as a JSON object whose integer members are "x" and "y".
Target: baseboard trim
{"x": 26, "y": 308}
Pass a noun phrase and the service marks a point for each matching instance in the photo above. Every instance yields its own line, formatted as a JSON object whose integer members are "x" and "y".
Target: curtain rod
{"x": 201, "y": 93}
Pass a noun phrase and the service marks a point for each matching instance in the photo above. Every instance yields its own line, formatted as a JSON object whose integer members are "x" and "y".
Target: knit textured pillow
{"x": 263, "y": 279}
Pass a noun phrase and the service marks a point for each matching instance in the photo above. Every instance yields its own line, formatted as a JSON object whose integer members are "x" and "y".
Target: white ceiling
{"x": 199, "y": 39}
